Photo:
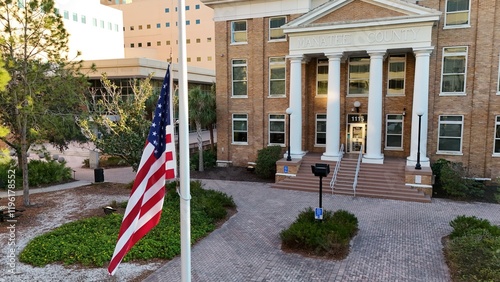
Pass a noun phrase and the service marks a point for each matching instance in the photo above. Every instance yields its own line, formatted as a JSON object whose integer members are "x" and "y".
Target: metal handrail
{"x": 355, "y": 183}
{"x": 337, "y": 167}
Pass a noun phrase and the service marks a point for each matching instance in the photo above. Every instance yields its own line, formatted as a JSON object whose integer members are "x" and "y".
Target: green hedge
{"x": 209, "y": 159}
{"x": 40, "y": 173}
{"x": 329, "y": 237}
{"x": 266, "y": 161}
{"x": 451, "y": 182}
{"x": 91, "y": 241}
{"x": 473, "y": 252}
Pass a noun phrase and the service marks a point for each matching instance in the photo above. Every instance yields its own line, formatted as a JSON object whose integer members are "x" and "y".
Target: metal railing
{"x": 355, "y": 183}
{"x": 337, "y": 167}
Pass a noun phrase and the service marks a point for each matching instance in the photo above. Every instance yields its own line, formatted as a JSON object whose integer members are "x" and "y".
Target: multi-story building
{"x": 95, "y": 30}
{"x": 151, "y": 30}
{"x": 371, "y": 74}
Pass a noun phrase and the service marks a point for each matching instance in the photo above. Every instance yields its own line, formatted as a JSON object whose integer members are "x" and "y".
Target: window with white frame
{"x": 496, "y": 145}
{"x": 450, "y": 134}
{"x": 396, "y": 75}
{"x": 275, "y": 30}
{"x": 359, "y": 76}
{"x": 239, "y": 32}
{"x": 454, "y": 71}
{"x": 277, "y": 76}
{"x": 240, "y": 128}
{"x": 240, "y": 78}
{"x": 322, "y": 77}
{"x": 457, "y": 13}
{"x": 320, "y": 129}
{"x": 394, "y": 132}
{"x": 277, "y": 129}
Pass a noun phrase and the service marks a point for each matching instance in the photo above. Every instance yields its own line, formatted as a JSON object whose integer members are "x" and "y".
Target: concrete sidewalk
{"x": 59, "y": 187}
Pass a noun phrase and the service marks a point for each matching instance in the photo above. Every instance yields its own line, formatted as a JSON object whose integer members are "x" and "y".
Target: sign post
{"x": 320, "y": 170}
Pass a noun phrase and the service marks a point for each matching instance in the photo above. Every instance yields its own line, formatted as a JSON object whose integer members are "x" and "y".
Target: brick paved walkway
{"x": 397, "y": 241}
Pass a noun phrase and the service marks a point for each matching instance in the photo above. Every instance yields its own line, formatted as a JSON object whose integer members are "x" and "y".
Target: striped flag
{"x": 157, "y": 164}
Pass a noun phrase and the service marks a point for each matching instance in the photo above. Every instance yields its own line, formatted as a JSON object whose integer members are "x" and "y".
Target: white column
{"x": 296, "y": 106}
{"x": 374, "y": 124}
{"x": 333, "y": 109}
{"x": 420, "y": 104}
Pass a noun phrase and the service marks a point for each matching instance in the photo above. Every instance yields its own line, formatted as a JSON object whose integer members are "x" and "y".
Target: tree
{"x": 43, "y": 97}
{"x": 4, "y": 75}
{"x": 213, "y": 117}
{"x": 116, "y": 123}
{"x": 202, "y": 114}
{"x": 4, "y": 79}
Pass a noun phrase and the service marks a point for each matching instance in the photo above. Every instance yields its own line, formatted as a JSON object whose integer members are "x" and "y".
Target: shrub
{"x": 209, "y": 159}
{"x": 465, "y": 224}
{"x": 450, "y": 180}
{"x": 47, "y": 172}
{"x": 329, "y": 237}
{"x": 474, "y": 256}
{"x": 266, "y": 161}
{"x": 41, "y": 172}
{"x": 91, "y": 241}
{"x": 107, "y": 161}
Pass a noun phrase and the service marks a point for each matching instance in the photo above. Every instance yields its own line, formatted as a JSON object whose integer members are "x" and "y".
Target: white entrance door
{"x": 357, "y": 132}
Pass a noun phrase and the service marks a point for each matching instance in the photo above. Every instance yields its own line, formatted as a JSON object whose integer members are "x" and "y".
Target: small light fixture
{"x": 404, "y": 111}
{"x": 357, "y": 104}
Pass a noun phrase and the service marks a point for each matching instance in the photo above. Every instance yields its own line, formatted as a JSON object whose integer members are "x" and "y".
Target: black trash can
{"x": 99, "y": 174}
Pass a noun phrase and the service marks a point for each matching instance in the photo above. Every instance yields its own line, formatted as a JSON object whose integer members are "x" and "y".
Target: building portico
{"x": 312, "y": 36}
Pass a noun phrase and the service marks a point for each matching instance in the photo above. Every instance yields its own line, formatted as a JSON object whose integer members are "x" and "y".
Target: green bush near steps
{"x": 266, "y": 161}
{"x": 329, "y": 237}
{"x": 451, "y": 181}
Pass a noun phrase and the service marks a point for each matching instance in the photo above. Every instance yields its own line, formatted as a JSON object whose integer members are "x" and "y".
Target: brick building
{"x": 358, "y": 73}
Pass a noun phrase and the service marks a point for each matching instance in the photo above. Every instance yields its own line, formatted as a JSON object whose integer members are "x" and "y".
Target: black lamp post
{"x": 289, "y": 113}
{"x": 418, "y": 166}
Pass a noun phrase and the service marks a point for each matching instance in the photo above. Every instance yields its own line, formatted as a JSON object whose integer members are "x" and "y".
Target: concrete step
{"x": 374, "y": 180}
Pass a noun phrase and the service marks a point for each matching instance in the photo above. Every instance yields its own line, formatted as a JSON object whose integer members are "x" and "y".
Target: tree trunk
{"x": 212, "y": 141}
{"x": 24, "y": 165}
{"x": 200, "y": 146}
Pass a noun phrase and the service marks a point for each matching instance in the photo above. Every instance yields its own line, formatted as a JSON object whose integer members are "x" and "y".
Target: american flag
{"x": 157, "y": 164}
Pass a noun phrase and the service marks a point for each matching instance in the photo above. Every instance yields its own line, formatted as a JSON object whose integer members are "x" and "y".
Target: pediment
{"x": 355, "y": 12}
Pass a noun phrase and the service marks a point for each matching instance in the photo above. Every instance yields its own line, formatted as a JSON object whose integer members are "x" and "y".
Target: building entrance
{"x": 356, "y": 133}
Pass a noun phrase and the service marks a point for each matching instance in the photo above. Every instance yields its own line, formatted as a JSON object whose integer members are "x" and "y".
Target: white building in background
{"x": 151, "y": 30}
{"x": 95, "y": 30}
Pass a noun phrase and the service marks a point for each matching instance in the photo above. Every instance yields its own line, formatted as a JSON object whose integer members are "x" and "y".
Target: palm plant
{"x": 202, "y": 114}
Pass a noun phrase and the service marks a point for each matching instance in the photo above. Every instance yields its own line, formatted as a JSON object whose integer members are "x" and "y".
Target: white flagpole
{"x": 184, "y": 149}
